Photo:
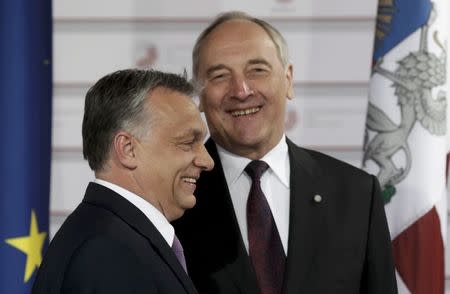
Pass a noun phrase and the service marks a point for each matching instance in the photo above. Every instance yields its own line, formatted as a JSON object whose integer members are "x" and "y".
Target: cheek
{"x": 270, "y": 88}
{"x": 164, "y": 166}
{"x": 213, "y": 96}
{"x": 276, "y": 94}
{"x": 180, "y": 163}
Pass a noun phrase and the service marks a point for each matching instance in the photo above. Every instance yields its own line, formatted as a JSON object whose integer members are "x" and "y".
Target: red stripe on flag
{"x": 419, "y": 255}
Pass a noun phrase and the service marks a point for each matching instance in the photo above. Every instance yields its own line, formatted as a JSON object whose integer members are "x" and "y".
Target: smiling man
{"x": 273, "y": 217}
{"x": 143, "y": 137}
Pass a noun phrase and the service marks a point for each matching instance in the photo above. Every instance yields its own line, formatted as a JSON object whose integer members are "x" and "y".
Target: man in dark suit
{"x": 143, "y": 137}
{"x": 272, "y": 217}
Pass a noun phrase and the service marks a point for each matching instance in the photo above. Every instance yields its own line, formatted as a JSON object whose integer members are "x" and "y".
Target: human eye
{"x": 219, "y": 76}
{"x": 258, "y": 70}
{"x": 187, "y": 145}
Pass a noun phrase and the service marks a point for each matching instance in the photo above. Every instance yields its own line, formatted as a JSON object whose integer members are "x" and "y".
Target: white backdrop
{"x": 330, "y": 45}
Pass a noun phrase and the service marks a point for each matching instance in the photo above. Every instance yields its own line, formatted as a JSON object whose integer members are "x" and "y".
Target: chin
{"x": 249, "y": 137}
{"x": 190, "y": 202}
{"x": 185, "y": 202}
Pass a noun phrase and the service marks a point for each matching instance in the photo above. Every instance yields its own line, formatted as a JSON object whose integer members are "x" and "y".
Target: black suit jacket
{"x": 338, "y": 245}
{"x": 107, "y": 245}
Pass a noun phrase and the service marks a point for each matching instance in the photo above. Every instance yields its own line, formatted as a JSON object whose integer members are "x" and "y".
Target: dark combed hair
{"x": 116, "y": 102}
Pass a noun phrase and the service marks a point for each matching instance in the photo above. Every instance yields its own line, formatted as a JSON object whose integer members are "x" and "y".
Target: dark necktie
{"x": 265, "y": 248}
{"x": 179, "y": 252}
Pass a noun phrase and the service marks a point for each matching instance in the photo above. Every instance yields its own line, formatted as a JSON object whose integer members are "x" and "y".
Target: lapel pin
{"x": 317, "y": 198}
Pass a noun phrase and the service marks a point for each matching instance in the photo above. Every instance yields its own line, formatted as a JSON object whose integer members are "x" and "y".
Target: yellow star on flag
{"x": 30, "y": 245}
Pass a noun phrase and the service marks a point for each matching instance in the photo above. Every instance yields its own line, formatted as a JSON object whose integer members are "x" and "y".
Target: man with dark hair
{"x": 143, "y": 137}
{"x": 272, "y": 217}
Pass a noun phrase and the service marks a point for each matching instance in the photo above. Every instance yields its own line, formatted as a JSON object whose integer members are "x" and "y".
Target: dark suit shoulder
{"x": 84, "y": 229}
{"x": 88, "y": 220}
{"x": 324, "y": 164}
{"x": 107, "y": 245}
{"x": 108, "y": 265}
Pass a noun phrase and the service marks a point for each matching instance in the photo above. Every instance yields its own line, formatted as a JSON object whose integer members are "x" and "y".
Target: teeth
{"x": 190, "y": 180}
{"x": 245, "y": 112}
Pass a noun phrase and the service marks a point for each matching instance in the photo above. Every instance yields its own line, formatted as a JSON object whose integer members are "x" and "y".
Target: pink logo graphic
{"x": 149, "y": 58}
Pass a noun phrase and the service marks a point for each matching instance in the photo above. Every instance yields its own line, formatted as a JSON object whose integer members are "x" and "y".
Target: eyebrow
{"x": 259, "y": 61}
{"x": 215, "y": 68}
{"x": 196, "y": 133}
{"x": 250, "y": 62}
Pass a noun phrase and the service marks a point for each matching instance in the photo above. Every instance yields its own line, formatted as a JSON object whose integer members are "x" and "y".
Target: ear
{"x": 289, "y": 80}
{"x": 125, "y": 149}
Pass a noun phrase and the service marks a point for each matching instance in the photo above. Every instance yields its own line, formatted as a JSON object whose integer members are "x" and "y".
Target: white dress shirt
{"x": 151, "y": 212}
{"x": 274, "y": 184}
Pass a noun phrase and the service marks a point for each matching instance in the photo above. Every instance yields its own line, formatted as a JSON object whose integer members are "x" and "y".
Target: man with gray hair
{"x": 143, "y": 138}
{"x": 272, "y": 217}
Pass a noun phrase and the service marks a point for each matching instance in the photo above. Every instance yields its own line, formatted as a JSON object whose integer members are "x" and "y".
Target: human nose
{"x": 204, "y": 160}
{"x": 241, "y": 88}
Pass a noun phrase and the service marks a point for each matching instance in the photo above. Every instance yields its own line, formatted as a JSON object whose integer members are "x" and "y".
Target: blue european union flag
{"x": 25, "y": 149}
{"x": 396, "y": 20}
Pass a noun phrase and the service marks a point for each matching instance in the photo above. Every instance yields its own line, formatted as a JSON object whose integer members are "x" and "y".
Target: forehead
{"x": 174, "y": 110}
{"x": 235, "y": 36}
{"x": 237, "y": 28}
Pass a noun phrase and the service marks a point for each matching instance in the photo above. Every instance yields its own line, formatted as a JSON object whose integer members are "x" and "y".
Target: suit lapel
{"x": 233, "y": 257}
{"x": 102, "y": 196}
{"x": 305, "y": 223}
{"x": 306, "y": 218}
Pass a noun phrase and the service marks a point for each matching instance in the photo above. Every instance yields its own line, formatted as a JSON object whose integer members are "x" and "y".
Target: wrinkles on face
{"x": 172, "y": 158}
{"x": 244, "y": 89}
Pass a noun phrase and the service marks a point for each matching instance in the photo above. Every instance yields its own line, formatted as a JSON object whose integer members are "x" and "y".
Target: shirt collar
{"x": 152, "y": 213}
{"x": 277, "y": 159}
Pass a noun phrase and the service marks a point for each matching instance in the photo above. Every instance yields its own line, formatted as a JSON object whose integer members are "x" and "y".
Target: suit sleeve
{"x": 104, "y": 266}
{"x": 379, "y": 271}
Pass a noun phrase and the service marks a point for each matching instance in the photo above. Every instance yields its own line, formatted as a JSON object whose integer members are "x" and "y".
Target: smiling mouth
{"x": 188, "y": 180}
{"x": 247, "y": 111}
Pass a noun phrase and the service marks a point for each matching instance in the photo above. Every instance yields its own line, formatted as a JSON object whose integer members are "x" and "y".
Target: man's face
{"x": 172, "y": 155}
{"x": 245, "y": 88}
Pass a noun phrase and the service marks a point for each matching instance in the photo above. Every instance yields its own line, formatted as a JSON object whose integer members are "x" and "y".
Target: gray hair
{"x": 117, "y": 102}
{"x": 274, "y": 34}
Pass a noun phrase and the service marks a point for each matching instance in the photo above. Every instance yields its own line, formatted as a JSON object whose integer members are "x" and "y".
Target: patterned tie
{"x": 179, "y": 252}
{"x": 265, "y": 248}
